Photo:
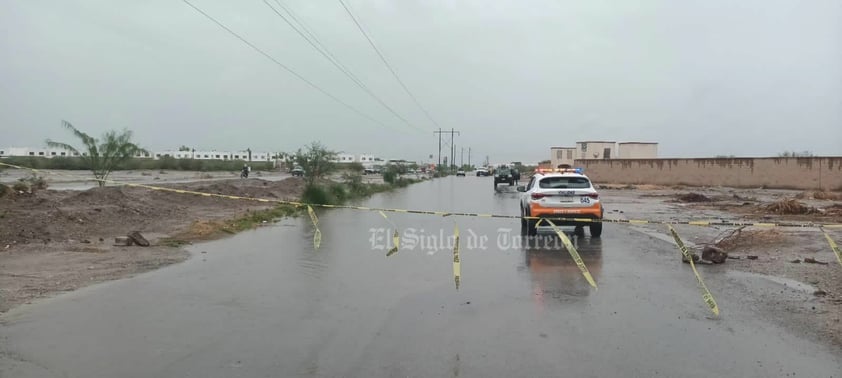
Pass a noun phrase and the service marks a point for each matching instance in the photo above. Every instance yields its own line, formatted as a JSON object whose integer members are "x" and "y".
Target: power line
{"x": 389, "y": 66}
{"x": 296, "y": 74}
{"x": 304, "y": 26}
{"x": 339, "y": 66}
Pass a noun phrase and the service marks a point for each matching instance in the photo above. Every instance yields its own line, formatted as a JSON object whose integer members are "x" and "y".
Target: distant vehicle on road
{"x": 298, "y": 171}
{"x": 561, "y": 193}
{"x": 371, "y": 170}
{"x": 483, "y": 172}
{"x": 460, "y": 173}
{"x": 503, "y": 174}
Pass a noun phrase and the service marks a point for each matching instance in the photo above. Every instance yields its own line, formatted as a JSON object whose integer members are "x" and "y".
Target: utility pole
{"x": 453, "y": 153}
{"x": 452, "y": 132}
{"x": 469, "y": 156}
{"x": 462, "y": 157}
{"x": 439, "y": 132}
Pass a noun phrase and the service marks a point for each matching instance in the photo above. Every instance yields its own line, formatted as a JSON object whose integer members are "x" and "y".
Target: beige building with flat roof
{"x": 596, "y": 149}
{"x": 562, "y": 155}
{"x": 637, "y": 150}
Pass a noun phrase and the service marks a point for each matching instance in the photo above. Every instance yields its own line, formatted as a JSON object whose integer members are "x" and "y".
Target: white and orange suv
{"x": 561, "y": 193}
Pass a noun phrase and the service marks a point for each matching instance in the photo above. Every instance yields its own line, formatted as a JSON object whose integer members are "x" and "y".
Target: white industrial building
{"x": 214, "y": 155}
{"x": 36, "y": 152}
{"x": 203, "y": 155}
{"x": 190, "y": 154}
{"x": 345, "y": 158}
{"x": 368, "y": 158}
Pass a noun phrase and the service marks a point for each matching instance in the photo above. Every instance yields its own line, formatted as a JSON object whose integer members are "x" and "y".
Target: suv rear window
{"x": 564, "y": 183}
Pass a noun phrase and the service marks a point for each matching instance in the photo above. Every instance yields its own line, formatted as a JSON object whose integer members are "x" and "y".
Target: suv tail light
{"x": 536, "y": 196}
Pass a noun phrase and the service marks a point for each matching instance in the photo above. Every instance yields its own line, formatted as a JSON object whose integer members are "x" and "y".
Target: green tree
{"x": 102, "y": 156}
{"x": 316, "y": 160}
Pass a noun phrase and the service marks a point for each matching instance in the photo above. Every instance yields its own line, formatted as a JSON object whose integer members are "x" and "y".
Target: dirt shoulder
{"x": 60, "y": 240}
{"x": 790, "y": 253}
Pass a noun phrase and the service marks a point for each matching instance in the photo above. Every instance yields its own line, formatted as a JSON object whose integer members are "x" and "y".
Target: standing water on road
{"x": 265, "y": 303}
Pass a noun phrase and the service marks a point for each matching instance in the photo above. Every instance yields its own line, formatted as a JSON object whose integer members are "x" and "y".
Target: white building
{"x": 214, "y": 155}
{"x": 368, "y": 158}
{"x": 36, "y": 152}
{"x": 345, "y": 158}
{"x": 192, "y": 154}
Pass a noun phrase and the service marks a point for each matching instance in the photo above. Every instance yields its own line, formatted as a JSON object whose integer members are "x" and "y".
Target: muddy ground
{"x": 782, "y": 252}
{"x": 60, "y": 240}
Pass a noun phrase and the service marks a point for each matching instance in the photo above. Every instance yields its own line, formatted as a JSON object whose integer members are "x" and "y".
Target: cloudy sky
{"x": 703, "y": 78}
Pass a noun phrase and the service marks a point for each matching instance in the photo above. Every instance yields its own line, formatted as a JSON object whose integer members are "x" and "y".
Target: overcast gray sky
{"x": 748, "y": 77}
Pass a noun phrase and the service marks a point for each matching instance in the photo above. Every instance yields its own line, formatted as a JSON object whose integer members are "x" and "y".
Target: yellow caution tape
{"x": 457, "y": 262}
{"x": 573, "y": 252}
{"x": 396, "y": 240}
{"x": 706, "y": 295}
{"x": 833, "y": 247}
{"x": 317, "y": 234}
{"x": 445, "y": 214}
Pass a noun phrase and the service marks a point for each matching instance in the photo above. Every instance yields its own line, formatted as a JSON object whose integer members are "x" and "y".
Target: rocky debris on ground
{"x": 796, "y": 261}
{"x": 714, "y": 254}
{"x": 138, "y": 239}
{"x": 820, "y": 195}
{"x": 133, "y": 238}
{"x": 693, "y": 197}
{"x": 696, "y": 259}
{"x": 814, "y": 261}
{"x": 789, "y": 206}
{"x": 832, "y": 210}
{"x": 694, "y": 255}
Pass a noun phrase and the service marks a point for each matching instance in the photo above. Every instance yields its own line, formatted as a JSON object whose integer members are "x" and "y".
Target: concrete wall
{"x": 788, "y": 173}
{"x": 636, "y": 150}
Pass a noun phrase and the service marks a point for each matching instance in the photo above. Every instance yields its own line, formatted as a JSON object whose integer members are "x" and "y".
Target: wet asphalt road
{"x": 265, "y": 304}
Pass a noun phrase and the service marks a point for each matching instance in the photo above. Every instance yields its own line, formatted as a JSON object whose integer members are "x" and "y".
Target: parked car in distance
{"x": 298, "y": 171}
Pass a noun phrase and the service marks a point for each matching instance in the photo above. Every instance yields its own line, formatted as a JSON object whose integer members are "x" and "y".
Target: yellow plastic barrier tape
{"x": 457, "y": 262}
{"x": 833, "y": 247}
{"x": 445, "y": 214}
{"x": 573, "y": 252}
{"x": 317, "y": 234}
{"x": 396, "y": 240}
{"x": 706, "y": 295}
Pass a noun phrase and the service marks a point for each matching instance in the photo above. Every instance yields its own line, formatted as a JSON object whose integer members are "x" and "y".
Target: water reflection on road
{"x": 265, "y": 303}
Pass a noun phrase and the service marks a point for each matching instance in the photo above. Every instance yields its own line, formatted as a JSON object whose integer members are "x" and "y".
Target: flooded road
{"x": 264, "y": 303}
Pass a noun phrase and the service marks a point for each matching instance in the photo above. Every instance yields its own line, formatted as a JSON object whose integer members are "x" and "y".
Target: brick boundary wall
{"x": 775, "y": 173}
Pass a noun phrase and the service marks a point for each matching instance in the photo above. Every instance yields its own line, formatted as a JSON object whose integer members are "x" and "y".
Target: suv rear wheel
{"x": 596, "y": 230}
{"x": 528, "y": 226}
